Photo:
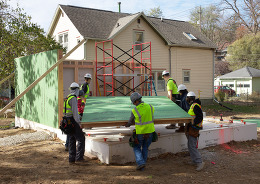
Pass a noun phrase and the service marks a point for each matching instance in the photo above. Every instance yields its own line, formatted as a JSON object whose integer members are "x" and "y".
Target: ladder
{"x": 149, "y": 86}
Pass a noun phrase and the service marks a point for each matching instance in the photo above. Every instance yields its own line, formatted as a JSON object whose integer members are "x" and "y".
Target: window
{"x": 246, "y": 85}
{"x": 190, "y": 36}
{"x": 63, "y": 40}
{"x": 231, "y": 85}
{"x": 186, "y": 76}
{"x": 158, "y": 80}
{"x": 138, "y": 38}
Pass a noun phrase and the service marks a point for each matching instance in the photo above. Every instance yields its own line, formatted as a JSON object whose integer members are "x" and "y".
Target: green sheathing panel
{"x": 100, "y": 109}
{"x": 40, "y": 104}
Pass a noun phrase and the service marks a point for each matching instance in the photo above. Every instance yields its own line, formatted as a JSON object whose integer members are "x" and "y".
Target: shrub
{"x": 255, "y": 96}
{"x": 220, "y": 95}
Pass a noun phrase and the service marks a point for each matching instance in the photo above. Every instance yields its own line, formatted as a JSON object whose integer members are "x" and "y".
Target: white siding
{"x": 65, "y": 25}
{"x": 200, "y": 64}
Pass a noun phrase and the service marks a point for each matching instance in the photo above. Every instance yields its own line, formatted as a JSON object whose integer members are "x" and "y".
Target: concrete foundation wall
{"x": 115, "y": 148}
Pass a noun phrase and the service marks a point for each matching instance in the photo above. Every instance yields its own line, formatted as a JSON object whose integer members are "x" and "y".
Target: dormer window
{"x": 189, "y": 36}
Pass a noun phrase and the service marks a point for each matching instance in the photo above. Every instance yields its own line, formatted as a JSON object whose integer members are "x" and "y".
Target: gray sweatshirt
{"x": 74, "y": 105}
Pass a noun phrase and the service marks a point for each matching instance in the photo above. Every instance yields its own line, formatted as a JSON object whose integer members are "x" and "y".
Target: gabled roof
{"x": 103, "y": 25}
{"x": 246, "y": 72}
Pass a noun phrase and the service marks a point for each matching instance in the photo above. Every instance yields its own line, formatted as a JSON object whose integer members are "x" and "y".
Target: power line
{"x": 178, "y": 13}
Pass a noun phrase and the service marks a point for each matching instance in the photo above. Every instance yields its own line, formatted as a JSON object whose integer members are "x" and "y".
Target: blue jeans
{"x": 141, "y": 149}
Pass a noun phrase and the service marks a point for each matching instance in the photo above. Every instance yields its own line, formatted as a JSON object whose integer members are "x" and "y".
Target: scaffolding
{"x": 137, "y": 60}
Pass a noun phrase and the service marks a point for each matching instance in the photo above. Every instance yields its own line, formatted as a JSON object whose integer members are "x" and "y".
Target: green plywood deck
{"x": 257, "y": 121}
{"x": 105, "y": 110}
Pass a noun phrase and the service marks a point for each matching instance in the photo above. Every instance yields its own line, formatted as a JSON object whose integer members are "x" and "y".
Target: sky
{"x": 42, "y": 11}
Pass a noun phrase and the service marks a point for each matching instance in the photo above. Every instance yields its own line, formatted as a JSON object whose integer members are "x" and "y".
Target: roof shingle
{"x": 101, "y": 24}
{"x": 242, "y": 73}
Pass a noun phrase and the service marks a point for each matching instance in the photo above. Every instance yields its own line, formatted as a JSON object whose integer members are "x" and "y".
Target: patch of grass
{"x": 242, "y": 108}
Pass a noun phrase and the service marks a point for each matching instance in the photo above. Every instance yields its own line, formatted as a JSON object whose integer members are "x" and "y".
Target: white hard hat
{"x": 165, "y": 73}
{"x": 135, "y": 96}
{"x": 191, "y": 93}
{"x": 181, "y": 87}
{"x": 88, "y": 76}
{"x": 74, "y": 85}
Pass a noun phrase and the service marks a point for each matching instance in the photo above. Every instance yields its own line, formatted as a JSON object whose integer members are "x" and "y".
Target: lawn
{"x": 238, "y": 107}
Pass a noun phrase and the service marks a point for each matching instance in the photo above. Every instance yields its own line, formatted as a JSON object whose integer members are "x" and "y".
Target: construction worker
{"x": 80, "y": 111}
{"x": 71, "y": 111}
{"x": 85, "y": 86}
{"x": 192, "y": 129}
{"x": 172, "y": 92}
{"x": 81, "y": 104}
{"x": 183, "y": 103}
{"x": 142, "y": 116}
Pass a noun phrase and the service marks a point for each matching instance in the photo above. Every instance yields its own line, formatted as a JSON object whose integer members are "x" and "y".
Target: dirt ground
{"x": 47, "y": 162}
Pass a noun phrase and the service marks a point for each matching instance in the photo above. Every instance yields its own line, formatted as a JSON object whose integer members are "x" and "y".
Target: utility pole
{"x": 200, "y": 12}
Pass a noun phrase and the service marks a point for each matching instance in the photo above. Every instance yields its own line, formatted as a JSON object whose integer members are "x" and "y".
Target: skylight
{"x": 190, "y": 36}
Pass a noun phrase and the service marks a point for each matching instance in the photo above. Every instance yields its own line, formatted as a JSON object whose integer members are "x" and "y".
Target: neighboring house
{"x": 220, "y": 54}
{"x": 176, "y": 46}
{"x": 243, "y": 81}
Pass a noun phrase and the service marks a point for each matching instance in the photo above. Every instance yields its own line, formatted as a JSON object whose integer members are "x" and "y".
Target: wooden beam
{"x": 5, "y": 79}
{"x": 60, "y": 86}
{"x": 40, "y": 78}
{"x": 122, "y": 123}
{"x": 73, "y": 66}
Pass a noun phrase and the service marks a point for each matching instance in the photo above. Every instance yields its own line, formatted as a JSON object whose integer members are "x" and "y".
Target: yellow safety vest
{"x": 191, "y": 112}
{"x": 144, "y": 118}
{"x": 66, "y": 105}
{"x": 172, "y": 84}
{"x": 87, "y": 93}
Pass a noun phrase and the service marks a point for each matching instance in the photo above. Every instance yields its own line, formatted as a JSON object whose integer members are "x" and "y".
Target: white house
{"x": 176, "y": 46}
{"x": 243, "y": 81}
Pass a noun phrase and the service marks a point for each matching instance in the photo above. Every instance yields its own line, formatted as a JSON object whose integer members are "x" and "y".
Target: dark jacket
{"x": 184, "y": 104}
{"x": 85, "y": 87}
{"x": 198, "y": 112}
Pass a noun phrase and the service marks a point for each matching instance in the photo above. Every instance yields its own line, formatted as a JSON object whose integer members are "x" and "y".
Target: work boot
{"x": 180, "y": 130}
{"x": 72, "y": 163}
{"x": 140, "y": 167}
{"x": 171, "y": 126}
{"x": 66, "y": 148}
{"x": 200, "y": 166}
{"x": 81, "y": 162}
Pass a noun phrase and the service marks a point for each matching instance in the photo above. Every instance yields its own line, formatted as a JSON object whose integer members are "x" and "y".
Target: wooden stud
{"x": 76, "y": 72}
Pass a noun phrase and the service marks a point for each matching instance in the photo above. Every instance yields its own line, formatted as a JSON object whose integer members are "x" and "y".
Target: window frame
{"x": 63, "y": 43}
{"x": 155, "y": 80}
{"x": 137, "y": 42}
{"x": 190, "y": 36}
{"x": 183, "y": 76}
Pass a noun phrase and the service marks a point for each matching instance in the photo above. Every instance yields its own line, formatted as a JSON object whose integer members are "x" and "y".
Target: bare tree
{"x": 247, "y": 11}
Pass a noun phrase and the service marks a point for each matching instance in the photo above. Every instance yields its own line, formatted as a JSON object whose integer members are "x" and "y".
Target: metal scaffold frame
{"x": 108, "y": 59}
